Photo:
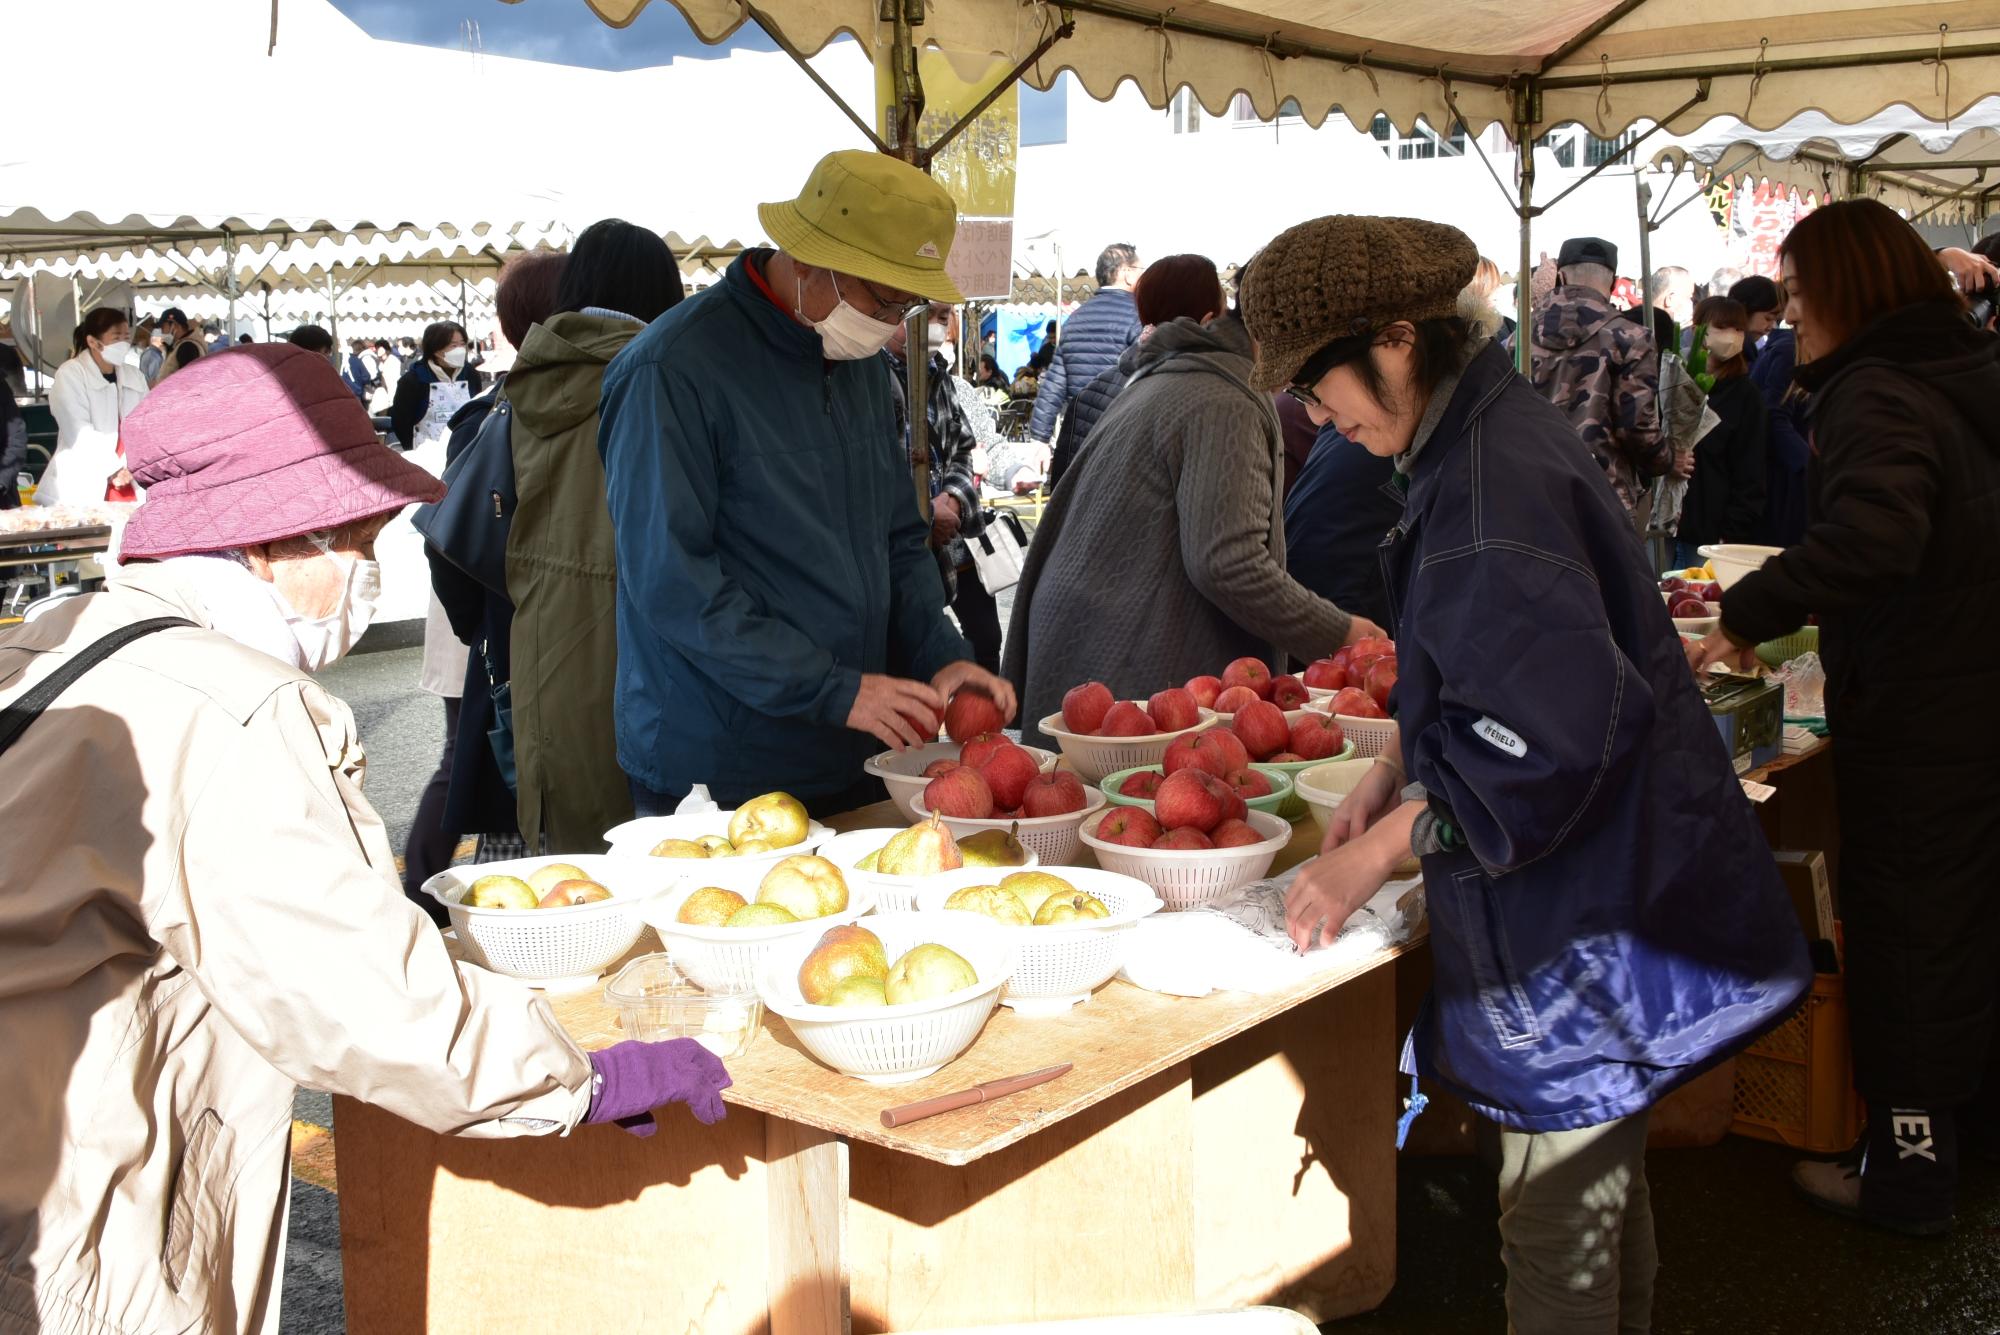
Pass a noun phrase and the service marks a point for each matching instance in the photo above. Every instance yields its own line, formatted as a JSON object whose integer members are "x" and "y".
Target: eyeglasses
{"x": 888, "y": 310}
{"x": 1303, "y": 394}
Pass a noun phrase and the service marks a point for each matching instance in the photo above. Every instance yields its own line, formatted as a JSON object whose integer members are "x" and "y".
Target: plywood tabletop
{"x": 1121, "y": 1036}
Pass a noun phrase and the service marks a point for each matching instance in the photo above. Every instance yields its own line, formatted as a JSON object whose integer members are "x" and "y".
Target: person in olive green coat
{"x": 562, "y": 571}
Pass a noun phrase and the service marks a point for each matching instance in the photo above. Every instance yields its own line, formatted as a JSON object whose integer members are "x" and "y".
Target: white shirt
{"x": 89, "y": 411}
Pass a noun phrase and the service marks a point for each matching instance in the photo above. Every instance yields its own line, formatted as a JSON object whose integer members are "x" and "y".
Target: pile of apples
{"x": 1687, "y": 598}
{"x": 850, "y": 968}
{"x": 559, "y": 885}
{"x": 1029, "y": 899}
{"x": 1361, "y": 676}
{"x": 762, "y": 825}
{"x": 799, "y": 888}
{"x": 1090, "y": 710}
{"x": 1243, "y": 682}
{"x": 1192, "y": 808}
{"x": 994, "y": 778}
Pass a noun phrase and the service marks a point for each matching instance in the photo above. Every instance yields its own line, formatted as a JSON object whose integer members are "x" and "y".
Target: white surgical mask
{"x": 846, "y": 335}
{"x": 324, "y": 640}
{"x": 453, "y": 357}
{"x": 114, "y": 354}
{"x": 940, "y": 333}
{"x": 1724, "y": 344}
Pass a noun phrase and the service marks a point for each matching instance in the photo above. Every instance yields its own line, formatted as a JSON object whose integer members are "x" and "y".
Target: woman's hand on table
{"x": 1717, "y": 647}
{"x": 1360, "y": 808}
{"x": 1327, "y": 890}
{"x": 901, "y": 712}
{"x": 963, "y": 673}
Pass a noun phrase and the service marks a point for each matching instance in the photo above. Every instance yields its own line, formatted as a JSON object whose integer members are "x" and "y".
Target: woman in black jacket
{"x": 1901, "y": 562}
{"x": 1725, "y": 497}
{"x": 445, "y": 347}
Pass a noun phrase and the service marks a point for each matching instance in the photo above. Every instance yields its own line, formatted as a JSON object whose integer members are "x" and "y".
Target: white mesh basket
{"x": 726, "y": 959}
{"x": 893, "y": 894}
{"x": 892, "y": 1045}
{"x": 1094, "y": 757}
{"x": 1056, "y": 967}
{"x": 902, "y": 773}
{"x": 1191, "y": 877}
{"x": 1052, "y": 839}
{"x": 1369, "y": 736}
{"x": 1323, "y": 787}
{"x": 553, "y": 946}
{"x": 636, "y": 838}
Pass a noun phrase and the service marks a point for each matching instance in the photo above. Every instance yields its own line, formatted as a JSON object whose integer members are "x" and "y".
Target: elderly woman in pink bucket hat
{"x": 202, "y": 910}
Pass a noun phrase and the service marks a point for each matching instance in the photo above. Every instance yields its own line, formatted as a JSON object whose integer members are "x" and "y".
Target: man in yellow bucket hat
{"x": 780, "y": 616}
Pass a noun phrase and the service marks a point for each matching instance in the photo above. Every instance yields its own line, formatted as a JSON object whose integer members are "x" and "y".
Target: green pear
{"x": 994, "y": 848}
{"x": 925, "y": 849}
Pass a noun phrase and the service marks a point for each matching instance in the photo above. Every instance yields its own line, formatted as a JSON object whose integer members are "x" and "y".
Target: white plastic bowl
{"x": 892, "y": 1045}
{"x": 554, "y": 948}
{"x": 1323, "y": 787}
{"x": 1370, "y": 736}
{"x": 1053, "y": 839}
{"x": 893, "y": 894}
{"x": 1187, "y": 878}
{"x": 726, "y": 959}
{"x": 1057, "y": 966}
{"x": 636, "y": 838}
{"x": 902, "y": 773}
{"x": 1733, "y": 560}
{"x": 1094, "y": 757}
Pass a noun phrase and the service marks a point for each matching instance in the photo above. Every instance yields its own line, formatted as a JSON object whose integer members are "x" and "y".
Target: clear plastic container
{"x": 656, "y": 1002}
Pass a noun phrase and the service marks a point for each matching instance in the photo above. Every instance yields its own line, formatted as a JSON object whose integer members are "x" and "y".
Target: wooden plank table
{"x": 1207, "y": 1152}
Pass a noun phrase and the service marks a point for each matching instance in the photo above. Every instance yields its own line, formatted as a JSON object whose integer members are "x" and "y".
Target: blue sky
{"x": 566, "y": 32}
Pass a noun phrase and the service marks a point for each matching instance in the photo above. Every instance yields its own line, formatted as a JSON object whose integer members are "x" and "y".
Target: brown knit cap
{"x": 1344, "y": 275}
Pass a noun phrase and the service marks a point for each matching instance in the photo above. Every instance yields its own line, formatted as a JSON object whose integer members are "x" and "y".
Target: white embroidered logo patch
{"x": 928, "y": 250}
{"x": 1501, "y": 736}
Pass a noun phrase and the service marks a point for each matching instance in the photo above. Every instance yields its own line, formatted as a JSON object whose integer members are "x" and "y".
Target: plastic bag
{"x": 1804, "y": 679}
{"x": 696, "y": 802}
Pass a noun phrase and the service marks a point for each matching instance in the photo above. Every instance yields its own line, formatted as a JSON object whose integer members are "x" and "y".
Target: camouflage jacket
{"x": 1603, "y": 373}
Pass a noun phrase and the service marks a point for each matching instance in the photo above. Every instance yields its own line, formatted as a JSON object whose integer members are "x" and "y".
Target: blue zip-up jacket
{"x": 770, "y": 549}
{"x": 1613, "y": 923}
{"x": 1092, "y": 341}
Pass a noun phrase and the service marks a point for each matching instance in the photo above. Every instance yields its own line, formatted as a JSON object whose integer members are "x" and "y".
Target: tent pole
{"x": 903, "y": 143}
{"x": 332, "y": 309}
{"x": 229, "y": 279}
{"x": 1640, "y": 189}
{"x": 1524, "y": 275}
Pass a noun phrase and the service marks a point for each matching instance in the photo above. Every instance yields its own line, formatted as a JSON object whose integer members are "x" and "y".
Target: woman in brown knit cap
{"x": 1607, "y": 922}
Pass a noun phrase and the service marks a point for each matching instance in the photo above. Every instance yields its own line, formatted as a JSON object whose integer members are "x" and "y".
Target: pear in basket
{"x": 925, "y": 849}
{"x": 501, "y": 892}
{"x": 710, "y": 906}
{"x": 868, "y": 863}
{"x": 857, "y": 991}
{"x": 679, "y": 848}
{"x": 761, "y": 915}
{"x": 1034, "y": 887}
{"x": 779, "y": 819}
{"x": 843, "y": 953}
{"x": 1003, "y": 906}
{"x": 570, "y": 893}
{"x": 927, "y": 971}
{"x": 811, "y": 887}
{"x": 717, "y": 846}
{"x": 994, "y": 848}
{"x": 1058, "y": 909}
{"x": 544, "y": 879}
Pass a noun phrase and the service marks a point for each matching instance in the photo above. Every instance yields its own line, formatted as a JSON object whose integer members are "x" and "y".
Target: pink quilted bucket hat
{"x": 256, "y": 444}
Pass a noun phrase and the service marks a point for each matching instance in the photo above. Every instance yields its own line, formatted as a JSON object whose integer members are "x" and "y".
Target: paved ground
{"x": 1739, "y": 1254}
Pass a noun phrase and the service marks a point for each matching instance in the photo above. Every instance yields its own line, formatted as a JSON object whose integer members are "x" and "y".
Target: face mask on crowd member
{"x": 327, "y": 585}
{"x": 847, "y": 332}
{"x": 454, "y": 356}
{"x": 1724, "y": 344}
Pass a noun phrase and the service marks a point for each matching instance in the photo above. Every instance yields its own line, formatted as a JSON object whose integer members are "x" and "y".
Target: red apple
{"x": 1374, "y": 646}
{"x": 1711, "y": 592}
{"x": 1008, "y": 773}
{"x": 969, "y": 712}
{"x": 1204, "y": 690}
{"x": 1262, "y": 727}
{"x": 1688, "y": 607}
{"x": 937, "y": 767}
{"x": 1173, "y": 709}
{"x": 1317, "y": 736}
{"x": 1288, "y": 692}
{"x": 1217, "y": 750}
{"x": 1234, "y": 698}
{"x": 1132, "y": 826}
{"x": 1672, "y": 584}
{"x": 1357, "y": 667}
{"x": 1126, "y": 719}
{"x": 1053, "y": 794}
{"x": 1186, "y": 837}
{"x": 1251, "y": 672}
{"x": 1143, "y": 784}
{"x": 1356, "y": 703}
{"x": 983, "y": 748}
{"x": 1344, "y": 657}
{"x": 1193, "y": 797}
{"x": 1326, "y": 674}
{"x": 1250, "y": 783}
{"x": 1084, "y": 707}
{"x": 961, "y": 793}
{"x": 1286, "y": 758}
{"x": 1234, "y": 834}
{"x": 1381, "y": 681}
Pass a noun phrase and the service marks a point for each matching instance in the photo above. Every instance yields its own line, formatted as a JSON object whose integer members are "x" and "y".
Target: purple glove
{"x": 633, "y": 1078}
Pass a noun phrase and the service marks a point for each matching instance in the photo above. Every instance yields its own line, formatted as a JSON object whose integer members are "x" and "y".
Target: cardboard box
{"x": 1751, "y": 718}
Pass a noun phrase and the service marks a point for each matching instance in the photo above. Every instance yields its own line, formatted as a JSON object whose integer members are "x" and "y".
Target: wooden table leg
{"x": 807, "y": 1180}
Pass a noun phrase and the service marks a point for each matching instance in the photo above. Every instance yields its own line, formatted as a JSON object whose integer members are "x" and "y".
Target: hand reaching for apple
{"x": 1717, "y": 647}
{"x": 1361, "y": 628}
{"x": 901, "y": 712}
{"x": 963, "y": 673}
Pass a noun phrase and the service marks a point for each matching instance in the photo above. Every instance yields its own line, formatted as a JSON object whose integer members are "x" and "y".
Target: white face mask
{"x": 845, "y": 335}
{"x": 1724, "y": 344}
{"x": 324, "y": 640}
{"x": 453, "y": 357}
{"x": 114, "y": 354}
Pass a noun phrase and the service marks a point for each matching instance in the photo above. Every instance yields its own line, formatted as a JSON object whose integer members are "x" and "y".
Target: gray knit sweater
{"x": 1163, "y": 555}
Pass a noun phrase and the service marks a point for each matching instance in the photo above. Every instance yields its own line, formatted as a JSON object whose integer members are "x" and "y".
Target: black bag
{"x": 468, "y": 528}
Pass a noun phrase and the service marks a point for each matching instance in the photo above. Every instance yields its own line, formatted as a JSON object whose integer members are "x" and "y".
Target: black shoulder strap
{"x": 16, "y": 717}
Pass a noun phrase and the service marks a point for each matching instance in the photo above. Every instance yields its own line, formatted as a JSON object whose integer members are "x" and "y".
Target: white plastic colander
{"x": 1368, "y": 736}
{"x": 1094, "y": 757}
{"x": 1191, "y": 877}
{"x": 1053, "y": 839}
{"x": 893, "y": 894}
{"x": 554, "y": 948}
{"x": 902, "y": 772}
{"x": 892, "y": 1045}
{"x": 726, "y": 959}
{"x": 1055, "y": 967}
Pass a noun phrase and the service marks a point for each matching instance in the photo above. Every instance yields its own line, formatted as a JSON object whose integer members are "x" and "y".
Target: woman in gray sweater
{"x": 1163, "y": 556}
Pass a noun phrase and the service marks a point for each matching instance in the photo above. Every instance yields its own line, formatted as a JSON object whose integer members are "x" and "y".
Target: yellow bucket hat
{"x": 872, "y": 216}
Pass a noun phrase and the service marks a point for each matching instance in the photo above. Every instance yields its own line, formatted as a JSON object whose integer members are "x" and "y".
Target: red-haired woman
{"x": 1901, "y": 561}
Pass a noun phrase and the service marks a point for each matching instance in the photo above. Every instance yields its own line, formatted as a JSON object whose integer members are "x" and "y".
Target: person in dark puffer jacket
{"x": 1899, "y": 563}
{"x": 1725, "y": 497}
{"x": 1175, "y": 287}
{"x": 1092, "y": 340}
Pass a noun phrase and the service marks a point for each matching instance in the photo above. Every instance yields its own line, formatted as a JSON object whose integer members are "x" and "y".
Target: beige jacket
{"x": 200, "y": 912}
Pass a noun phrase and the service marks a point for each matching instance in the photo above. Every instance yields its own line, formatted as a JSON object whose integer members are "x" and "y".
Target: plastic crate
{"x": 1795, "y": 1085}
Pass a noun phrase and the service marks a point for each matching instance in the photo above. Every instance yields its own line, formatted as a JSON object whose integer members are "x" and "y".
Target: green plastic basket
{"x": 1272, "y": 802}
{"x": 1778, "y": 652}
{"x": 1294, "y": 807}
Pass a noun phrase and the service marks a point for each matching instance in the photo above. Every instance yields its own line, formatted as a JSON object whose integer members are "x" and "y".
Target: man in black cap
{"x": 183, "y": 340}
{"x": 1603, "y": 373}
